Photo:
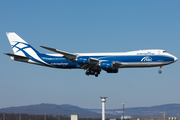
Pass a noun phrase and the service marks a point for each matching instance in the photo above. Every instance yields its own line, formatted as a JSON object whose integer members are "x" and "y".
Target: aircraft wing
{"x": 73, "y": 57}
{"x": 68, "y": 56}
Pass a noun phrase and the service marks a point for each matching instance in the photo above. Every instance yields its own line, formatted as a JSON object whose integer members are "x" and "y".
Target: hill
{"x": 170, "y": 109}
{"x": 51, "y": 109}
{"x": 65, "y": 109}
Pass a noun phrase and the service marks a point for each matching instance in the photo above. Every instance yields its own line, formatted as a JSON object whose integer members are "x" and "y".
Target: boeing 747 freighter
{"x": 93, "y": 63}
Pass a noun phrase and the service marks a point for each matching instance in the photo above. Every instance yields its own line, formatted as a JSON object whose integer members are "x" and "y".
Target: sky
{"x": 84, "y": 26}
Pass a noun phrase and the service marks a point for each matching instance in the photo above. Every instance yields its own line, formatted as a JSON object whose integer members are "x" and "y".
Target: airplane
{"x": 93, "y": 63}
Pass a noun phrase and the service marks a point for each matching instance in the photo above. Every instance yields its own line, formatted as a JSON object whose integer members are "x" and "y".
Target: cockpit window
{"x": 164, "y": 51}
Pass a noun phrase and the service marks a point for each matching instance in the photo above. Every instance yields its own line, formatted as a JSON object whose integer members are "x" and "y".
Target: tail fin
{"x": 21, "y": 47}
{"x": 23, "y": 51}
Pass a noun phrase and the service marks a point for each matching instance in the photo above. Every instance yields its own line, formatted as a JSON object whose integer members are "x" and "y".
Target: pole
{"x": 103, "y": 111}
{"x": 123, "y": 110}
{"x": 103, "y": 100}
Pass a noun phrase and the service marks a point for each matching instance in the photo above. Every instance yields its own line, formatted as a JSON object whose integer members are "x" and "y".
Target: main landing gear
{"x": 160, "y": 71}
{"x": 91, "y": 72}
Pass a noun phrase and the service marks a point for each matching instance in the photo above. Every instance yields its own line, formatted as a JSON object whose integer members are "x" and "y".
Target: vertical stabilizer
{"x": 21, "y": 47}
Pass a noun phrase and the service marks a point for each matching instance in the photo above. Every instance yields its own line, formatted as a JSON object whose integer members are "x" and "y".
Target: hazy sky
{"x": 90, "y": 26}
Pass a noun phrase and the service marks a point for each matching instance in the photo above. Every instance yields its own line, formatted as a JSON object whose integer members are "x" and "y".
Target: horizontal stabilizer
{"x": 17, "y": 56}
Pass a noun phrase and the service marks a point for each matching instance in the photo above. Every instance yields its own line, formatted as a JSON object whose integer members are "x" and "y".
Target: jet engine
{"x": 83, "y": 60}
{"x": 106, "y": 65}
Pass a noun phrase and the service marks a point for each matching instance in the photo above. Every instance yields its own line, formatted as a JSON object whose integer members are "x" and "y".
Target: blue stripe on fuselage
{"x": 62, "y": 63}
{"x": 59, "y": 61}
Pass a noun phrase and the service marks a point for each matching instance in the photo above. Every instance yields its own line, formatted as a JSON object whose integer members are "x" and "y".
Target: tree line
{"x": 12, "y": 116}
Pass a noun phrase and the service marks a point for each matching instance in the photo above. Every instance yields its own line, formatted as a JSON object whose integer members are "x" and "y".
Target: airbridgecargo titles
{"x": 145, "y": 53}
{"x": 93, "y": 63}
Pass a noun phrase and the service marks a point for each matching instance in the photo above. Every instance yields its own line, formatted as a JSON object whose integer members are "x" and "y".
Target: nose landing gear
{"x": 160, "y": 71}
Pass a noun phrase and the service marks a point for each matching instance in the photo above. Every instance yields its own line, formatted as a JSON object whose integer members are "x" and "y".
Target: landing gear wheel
{"x": 87, "y": 73}
{"x": 92, "y": 72}
{"x": 160, "y": 71}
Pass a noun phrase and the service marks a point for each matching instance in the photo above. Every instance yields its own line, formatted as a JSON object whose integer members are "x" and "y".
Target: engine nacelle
{"x": 112, "y": 70}
{"x": 83, "y": 60}
{"x": 106, "y": 65}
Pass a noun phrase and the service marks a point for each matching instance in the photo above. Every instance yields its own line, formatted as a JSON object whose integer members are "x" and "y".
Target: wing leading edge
{"x": 68, "y": 56}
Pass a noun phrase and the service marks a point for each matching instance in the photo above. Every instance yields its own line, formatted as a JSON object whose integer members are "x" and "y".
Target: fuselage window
{"x": 164, "y": 51}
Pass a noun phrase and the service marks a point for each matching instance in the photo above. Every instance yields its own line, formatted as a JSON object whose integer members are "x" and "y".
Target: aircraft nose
{"x": 175, "y": 59}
